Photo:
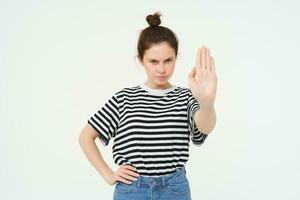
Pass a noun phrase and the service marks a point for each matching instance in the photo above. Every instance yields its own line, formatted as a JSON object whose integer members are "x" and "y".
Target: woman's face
{"x": 159, "y": 62}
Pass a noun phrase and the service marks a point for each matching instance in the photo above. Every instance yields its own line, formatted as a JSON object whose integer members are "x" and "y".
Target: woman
{"x": 152, "y": 123}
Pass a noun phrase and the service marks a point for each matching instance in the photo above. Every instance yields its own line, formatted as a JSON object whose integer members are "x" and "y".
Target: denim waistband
{"x": 156, "y": 181}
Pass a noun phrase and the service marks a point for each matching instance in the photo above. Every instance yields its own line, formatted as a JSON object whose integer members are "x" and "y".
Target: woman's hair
{"x": 155, "y": 34}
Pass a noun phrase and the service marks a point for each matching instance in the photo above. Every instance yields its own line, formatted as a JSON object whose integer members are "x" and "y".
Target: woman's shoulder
{"x": 128, "y": 89}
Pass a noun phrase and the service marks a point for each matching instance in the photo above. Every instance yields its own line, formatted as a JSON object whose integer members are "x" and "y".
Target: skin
{"x": 159, "y": 60}
{"x": 203, "y": 84}
{"x": 124, "y": 173}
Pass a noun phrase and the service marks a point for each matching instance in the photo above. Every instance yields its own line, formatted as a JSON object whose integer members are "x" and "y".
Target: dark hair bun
{"x": 153, "y": 20}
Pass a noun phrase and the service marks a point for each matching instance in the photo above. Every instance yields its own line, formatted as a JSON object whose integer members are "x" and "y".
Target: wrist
{"x": 110, "y": 177}
{"x": 206, "y": 105}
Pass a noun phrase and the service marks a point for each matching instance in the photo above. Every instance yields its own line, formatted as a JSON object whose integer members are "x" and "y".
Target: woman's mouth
{"x": 161, "y": 77}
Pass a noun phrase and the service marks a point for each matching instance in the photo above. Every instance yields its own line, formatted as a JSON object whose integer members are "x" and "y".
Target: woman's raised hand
{"x": 202, "y": 78}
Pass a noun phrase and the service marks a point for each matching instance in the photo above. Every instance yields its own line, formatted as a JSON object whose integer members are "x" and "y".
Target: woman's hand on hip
{"x": 125, "y": 174}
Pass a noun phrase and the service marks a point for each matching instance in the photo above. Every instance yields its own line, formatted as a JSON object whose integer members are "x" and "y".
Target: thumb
{"x": 192, "y": 73}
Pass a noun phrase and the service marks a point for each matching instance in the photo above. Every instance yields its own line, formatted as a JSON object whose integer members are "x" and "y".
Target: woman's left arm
{"x": 205, "y": 119}
{"x": 203, "y": 84}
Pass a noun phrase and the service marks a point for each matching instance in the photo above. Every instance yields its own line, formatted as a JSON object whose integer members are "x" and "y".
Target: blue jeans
{"x": 174, "y": 186}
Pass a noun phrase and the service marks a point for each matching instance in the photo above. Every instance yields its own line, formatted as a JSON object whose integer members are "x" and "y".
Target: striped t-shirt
{"x": 151, "y": 128}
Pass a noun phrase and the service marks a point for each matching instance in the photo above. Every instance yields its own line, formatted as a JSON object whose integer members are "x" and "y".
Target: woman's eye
{"x": 154, "y": 61}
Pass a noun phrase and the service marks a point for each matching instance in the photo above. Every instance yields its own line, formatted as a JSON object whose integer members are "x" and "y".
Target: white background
{"x": 61, "y": 61}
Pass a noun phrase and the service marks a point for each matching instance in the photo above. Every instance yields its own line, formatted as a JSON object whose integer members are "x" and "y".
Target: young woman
{"x": 153, "y": 122}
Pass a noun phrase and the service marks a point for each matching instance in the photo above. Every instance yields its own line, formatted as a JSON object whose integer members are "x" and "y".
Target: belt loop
{"x": 139, "y": 181}
{"x": 163, "y": 181}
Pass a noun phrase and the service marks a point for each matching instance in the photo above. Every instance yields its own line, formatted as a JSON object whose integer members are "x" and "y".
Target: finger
{"x": 127, "y": 177}
{"x": 207, "y": 59}
{"x": 123, "y": 180}
{"x": 130, "y": 167}
{"x": 212, "y": 60}
{"x": 198, "y": 58}
{"x": 132, "y": 173}
{"x": 203, "y": 57}
{"x": 192, "y": 73}
{"x": 128, "y": 170}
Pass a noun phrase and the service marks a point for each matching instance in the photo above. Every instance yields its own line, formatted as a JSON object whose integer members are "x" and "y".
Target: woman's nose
{"x": 161, "y": 68}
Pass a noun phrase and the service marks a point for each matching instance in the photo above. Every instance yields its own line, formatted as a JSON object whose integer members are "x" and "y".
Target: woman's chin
{"x": 161, "y": 82}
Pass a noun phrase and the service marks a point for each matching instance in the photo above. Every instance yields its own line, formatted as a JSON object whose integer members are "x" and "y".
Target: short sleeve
{"x": 105, "y": 120}
{"x": 197, "y": 137}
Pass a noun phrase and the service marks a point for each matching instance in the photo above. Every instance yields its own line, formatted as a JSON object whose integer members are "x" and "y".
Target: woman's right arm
{"x": 87, "y": 143}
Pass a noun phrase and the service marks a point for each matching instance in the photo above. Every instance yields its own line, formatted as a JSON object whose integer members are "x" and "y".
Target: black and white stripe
{"x": 151, "y": 131}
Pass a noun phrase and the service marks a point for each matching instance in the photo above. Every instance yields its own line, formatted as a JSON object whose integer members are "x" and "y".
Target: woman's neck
{"x": 154, "y": 86}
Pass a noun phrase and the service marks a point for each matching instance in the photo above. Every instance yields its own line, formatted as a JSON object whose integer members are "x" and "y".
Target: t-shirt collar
{"x": 156, "y": 91}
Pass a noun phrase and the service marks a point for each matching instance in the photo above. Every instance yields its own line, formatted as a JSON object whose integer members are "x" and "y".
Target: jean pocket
{"x": 179, "y": 185}
{"x": 123, "y": 187}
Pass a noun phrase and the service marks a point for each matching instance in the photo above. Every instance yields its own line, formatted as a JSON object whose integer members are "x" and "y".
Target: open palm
{"x": 203, "y": 79}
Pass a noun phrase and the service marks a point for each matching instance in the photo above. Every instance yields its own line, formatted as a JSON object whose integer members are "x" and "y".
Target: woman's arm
{"x": 205, "y": 119}
{"x": 125, "y": 173}
{"x": 87, "y": 143}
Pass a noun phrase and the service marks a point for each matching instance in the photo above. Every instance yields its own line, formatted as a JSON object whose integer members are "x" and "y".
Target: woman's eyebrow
{"x": 156, "y": 60}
